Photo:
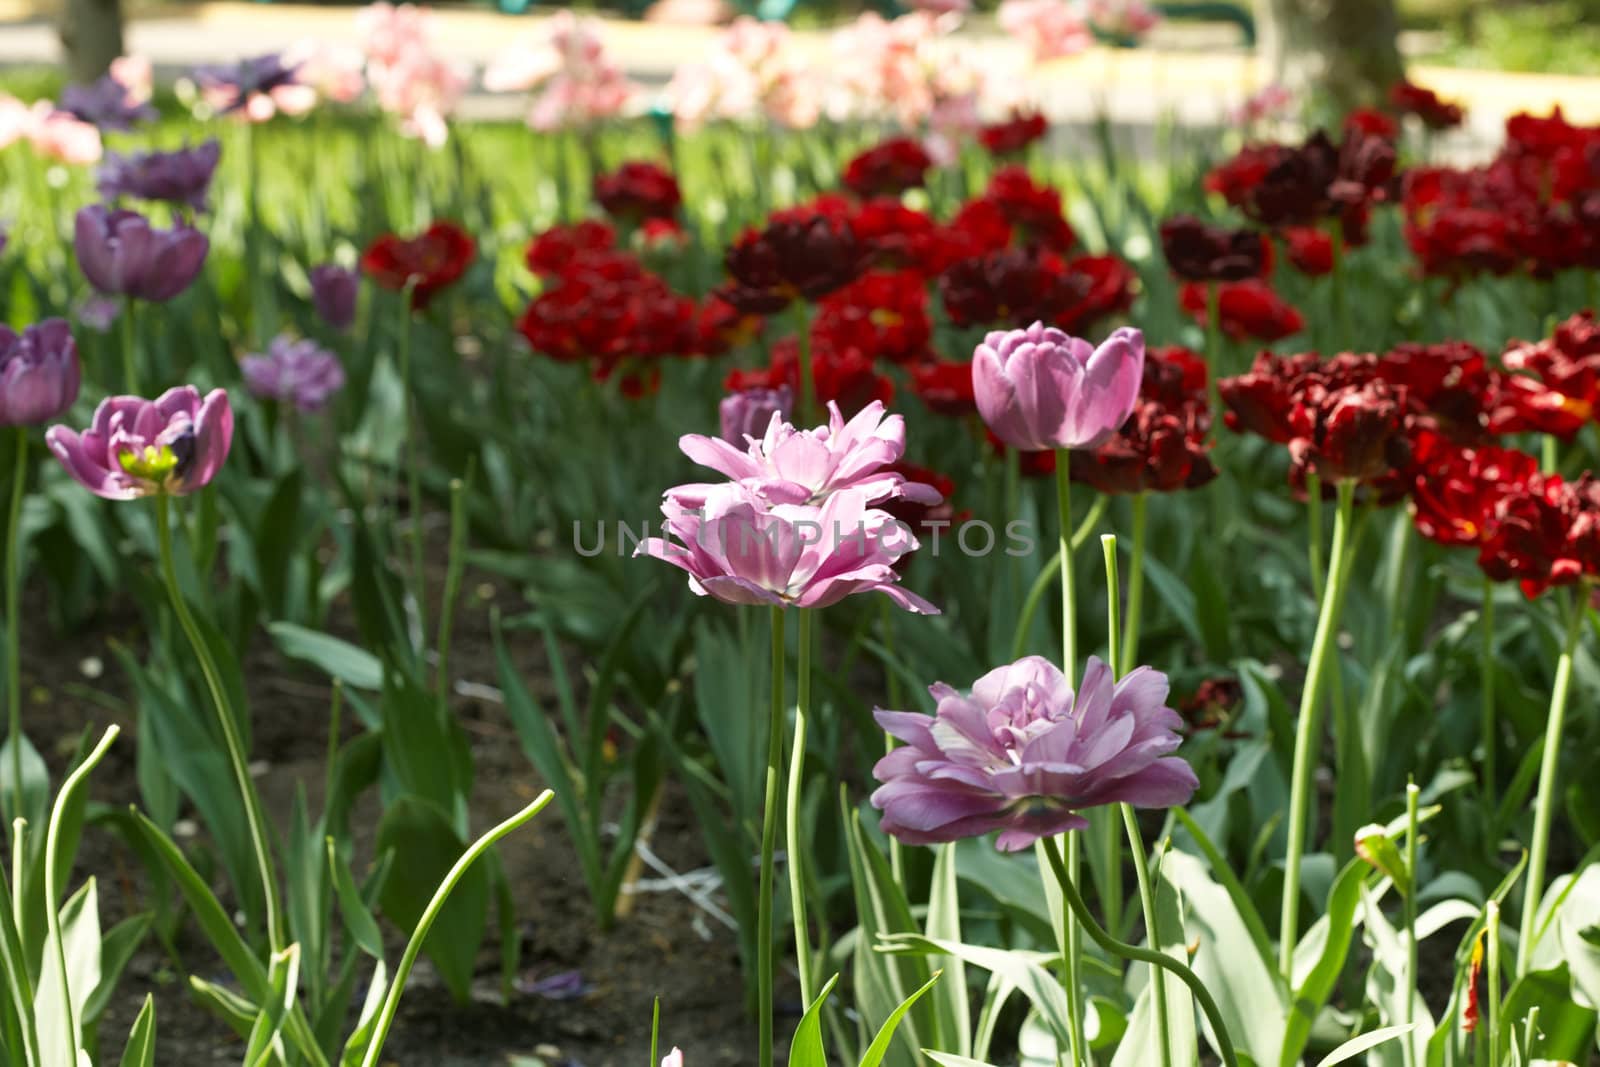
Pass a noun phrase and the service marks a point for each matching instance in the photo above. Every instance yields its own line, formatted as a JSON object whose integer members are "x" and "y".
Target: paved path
{"x": 1196, "y": 73}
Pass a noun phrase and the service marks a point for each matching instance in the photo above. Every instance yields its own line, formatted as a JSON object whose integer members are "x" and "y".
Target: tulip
{"x": 748, "y": 412}
{"x": 1197, "y": 252}
{"x": 1040, "y": 389}
{"x": 122, "y": 254}
{"x": 1017, "y": 132}
{"x": 888, "y": 168}
{"x": 299, "y": 372}
{"x": 792, "y": 466}
{"x": 39, "y": 373}
{"x": 741, "y": 550}
{"x": 637, "y": 191}
{"x": 428, "y": 262}
{"x": 800, "y": 255}
{"x": 1025, "y": 755}
{"x": 106, "y": 104}
{"x": 182, "y": 176}
{"x": 134, "y": 447}
{"x": 333, "y": 294}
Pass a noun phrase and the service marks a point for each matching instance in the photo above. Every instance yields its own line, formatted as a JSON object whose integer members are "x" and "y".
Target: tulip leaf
{"x": 1357, "y": 1045}
{"x": 140, "y": 1050}
{"x": 334, "y": 656}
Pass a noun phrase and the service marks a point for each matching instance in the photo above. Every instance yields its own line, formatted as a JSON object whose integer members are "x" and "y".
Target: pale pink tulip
{"x": 1049, "y": 29}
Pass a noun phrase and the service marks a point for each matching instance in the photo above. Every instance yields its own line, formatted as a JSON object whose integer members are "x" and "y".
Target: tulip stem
{"x": 1135, "y": 612}
{"x": 130, "y": 348}
{"x": 806, "y": 410}
{"x": 1490, "y": 729}
{"x": 391, "y": 1001}
{"x": 1491, "y": 922}
{"x": 259, "y": 838}
{"x": 769, "y": 834}
{"x": 1413, "y": 887}
{"x": 1069, "y": 622}
{"x": 793, "y": 846}
{"x": 1119, "y": 658}
{"x": 1103, "y": 822}
{"x": 1072, "y": 948}
{"x": 52, "y": 888}
{"x": 1545, "y": 801}
{"x": 1047, "y": 574}
{"x": 1308, "y": 735}
{"x": 413, "y": 461}
{"x": 19, "y": 479}
{"x": 1208, "y": 1006}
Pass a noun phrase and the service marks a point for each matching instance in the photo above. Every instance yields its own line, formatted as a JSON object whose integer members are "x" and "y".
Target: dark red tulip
{"x": 1197, "y": 252}
{"x": 637, "y": 191}
{"x": 888, "y": 168}
{"x": 430, "y": 261}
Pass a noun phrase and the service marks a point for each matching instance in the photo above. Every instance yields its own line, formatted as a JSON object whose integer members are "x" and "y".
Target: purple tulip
{"x": 105, "y": 104}
{"x": 299, "y": 372}
{"x": 333, "y": 294}
{"x": 39, "y": 372}
{"x": 1024, "y": 755}
{"x": 741, "y": 550}
{"x": 1040, "y": 389}
{"x": 182, "y": 176}
{"x": 790, "y": 466}
{"x": 232, "y": 85}
{"x": 136, "y": 447}
{"x": 748, "y": 412}
{"x": 122, "y": 254}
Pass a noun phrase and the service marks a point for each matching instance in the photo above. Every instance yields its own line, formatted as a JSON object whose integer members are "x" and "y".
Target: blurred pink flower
{"x": 133, "y": 74}
{"x": 1126, "y": 20}
{"x": 1269, "y": 102}
{"x": 942, "y": 7}
{"x": 907, "y": 69}
{"x": 579, "y": 84}
{"x": 334, "y": 71}
{"x": 53, "y": 134}
{"x": 1049, "y": 29}
{"x": 409, "y": 77}
{"x": 752, "y": 72}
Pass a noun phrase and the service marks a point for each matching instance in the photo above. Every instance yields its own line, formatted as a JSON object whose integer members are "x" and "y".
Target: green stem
{"x": 391, "y": 1000}
{"x": 1545, "y": 802}
{"x": 892, "y": 685}
{"x": 769, "y": 834}
{"x": 1410, "y": 900}
{"x": 1047, "y": 575}
{"x": 794, "y": 847}
{"x": 1110, "y": 944}
{"x": 1103, "y": 821}
{"x": 419, "y": 590}
{"x": 1130, "y": 820}
{"x": 130, "y": 348}
{"x": 1491, "y": 914}
{"x": 230, "y": 728}
{"x": 805, "y": 411}
{"x": 1069, "y": 657}
{"x": 19, "y": 828}
{"x": 1314, "y": 541}
{"x": 1069, "y": 621}
{"x": 1336, "y": 278}
{"x": 1131, "y": 622}
{"x": 335, "y": 713}
{"x": 1549, "y": 454}
{"x": 52, "y": 888}
{"x": 452, "y": 584}
{"x": 19, "y": 479}
{"x": 1308, "y": 734}
{"x": 1490, "y": 729}
{"x": 1214, "y": 346}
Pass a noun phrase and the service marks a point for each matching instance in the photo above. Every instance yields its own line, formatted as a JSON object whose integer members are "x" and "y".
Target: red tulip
{"x": 429, "y": 262}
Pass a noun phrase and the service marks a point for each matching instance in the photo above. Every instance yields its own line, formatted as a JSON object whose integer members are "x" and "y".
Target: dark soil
{"x": 660, "y": 949}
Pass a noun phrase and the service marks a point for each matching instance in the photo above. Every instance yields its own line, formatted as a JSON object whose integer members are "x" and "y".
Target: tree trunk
{"x": 1345, "y": 50}
{"x": 91, "y": 37}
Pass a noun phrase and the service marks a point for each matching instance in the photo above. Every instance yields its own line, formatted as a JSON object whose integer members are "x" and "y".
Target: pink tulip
{"x": 1269, "y": 102}
{"x": 1050, "y": 29}
{"x": 58, "y": 136}
{"x": 752, "y": 73}
{"x": 791, "y": 466}
{"x": 740, "y": 550}
{"x": 1039, "y": 389}
{"x": 1127, "y": 20}
{"x": 135, "y": 447}
{"x": 578, "y": 83}
{"x": 133, "y": 74}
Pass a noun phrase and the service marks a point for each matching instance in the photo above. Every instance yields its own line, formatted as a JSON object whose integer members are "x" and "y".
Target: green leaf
{"x": 80, "y": 944}
{"x": 1247, "y": 992}
{"x": 361, "y": 1036}
{"x": 233, "y": 1009}
{"x": 1022, "y": 969}
{"x": 116, "y": 949}
{"x": 417, "y": 830}
{"x": 1320, "y": 958}
{"x": 806, "y": 1049}
{"x": 35, "y": 781}
{"x": 263, "y": 1046}
{"x": 952, "y": 1010}
{"x": 1567, "y": 1026}
{"x": 947, "y": 1059}
{"x": 334, "y": 656}
{"x": 141, "y": 1048}
{"x": 1357, "y": 1045}
{"x": 358, "y": 920}
{"x": 1141, "y": 1045}
{"x": 880, "y": 1044}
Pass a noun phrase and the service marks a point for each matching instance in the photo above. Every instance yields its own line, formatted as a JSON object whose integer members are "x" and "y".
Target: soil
{"x": 664, "y": 948}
